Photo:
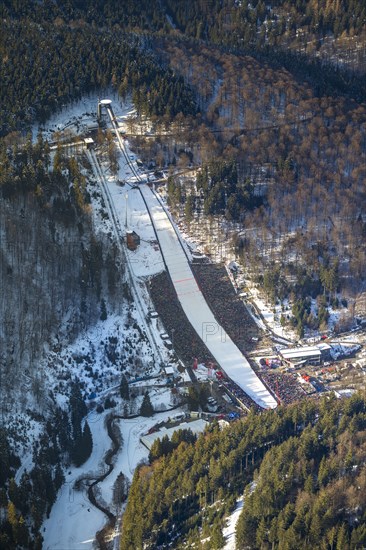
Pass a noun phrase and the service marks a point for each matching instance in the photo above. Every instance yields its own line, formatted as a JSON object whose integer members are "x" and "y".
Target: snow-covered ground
{"x": 97, "y": 356}
{"x": 80, "y": 116}
{"x": 231, "y": 521}
{"x": 73, "y": 521}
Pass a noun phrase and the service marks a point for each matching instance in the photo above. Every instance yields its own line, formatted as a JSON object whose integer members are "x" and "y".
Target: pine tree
{"x": 146, "y": 407}
{"x": 83, "y": 447}
{"x": 87, "y": 441}
{"x": 342, "y": 538}
{"x": 3, "y": 499}
{"x": 5, "y": 456}
{"x": 103, "y": 310}
{"x": 22, "y": 534}
{"x": 120, "y": 490}
{"x": 59, "y": 477}
{"x": 217, "y": 539}
{"x": 124, "y": 390}
{"x": 78, "y": 410}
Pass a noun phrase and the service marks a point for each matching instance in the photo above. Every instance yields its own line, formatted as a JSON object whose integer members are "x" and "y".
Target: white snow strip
{"x": 229, "y": 530}
{"x": 226, "y": 353}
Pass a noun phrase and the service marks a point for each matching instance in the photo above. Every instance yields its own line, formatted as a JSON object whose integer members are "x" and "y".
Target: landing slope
{"x": 197, "y": 310}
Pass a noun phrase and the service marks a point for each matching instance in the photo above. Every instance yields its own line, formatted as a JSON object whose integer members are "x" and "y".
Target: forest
{"x": 45, "y": 67}
{"x": 47, "y": 236}
{"x": 301, "y": 469}
{"x": 311, "y": 35}
{"x": 81, "y": 56}
{"x": 296, "y": 193}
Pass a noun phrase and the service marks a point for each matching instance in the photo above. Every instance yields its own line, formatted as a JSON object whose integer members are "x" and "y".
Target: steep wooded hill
{"x": 308, "y": 466}
{"x": 52, "y": 263}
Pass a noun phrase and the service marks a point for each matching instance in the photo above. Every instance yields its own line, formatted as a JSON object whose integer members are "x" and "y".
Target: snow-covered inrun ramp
{"x": 223, "y": 349}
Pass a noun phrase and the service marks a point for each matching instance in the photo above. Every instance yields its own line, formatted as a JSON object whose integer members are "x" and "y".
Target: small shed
{"x": 169, "y": 371}
{"x": 133, "y": 240}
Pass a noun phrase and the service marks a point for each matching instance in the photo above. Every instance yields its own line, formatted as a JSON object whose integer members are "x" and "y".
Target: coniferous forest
{"x": 251, "y": 95}
{"x": 301, "y": 469}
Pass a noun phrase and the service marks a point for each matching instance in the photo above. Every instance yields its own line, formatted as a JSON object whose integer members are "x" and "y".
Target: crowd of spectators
{"x": 186, "y": 342}
{"x": 228, "y": 309}
{"x": 284, "y": 386}
{"x": 233, "y": 317}
{"x": 240, "y": 395}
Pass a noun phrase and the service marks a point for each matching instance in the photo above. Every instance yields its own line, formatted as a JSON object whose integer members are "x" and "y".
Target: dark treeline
{"x": 53, "y": 52}
{"x": 212, "y": 20}
{"x": 98, "y": 13}
{"x": 244, "y": 18}
{"x": 45, "y": 66}
{"x": 307, "y": 461}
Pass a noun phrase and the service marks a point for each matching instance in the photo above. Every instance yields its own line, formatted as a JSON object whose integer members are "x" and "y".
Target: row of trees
{"x": 244, "y": 24}
{"x": 279, "y": 18}
{"x": 96, "y": 13}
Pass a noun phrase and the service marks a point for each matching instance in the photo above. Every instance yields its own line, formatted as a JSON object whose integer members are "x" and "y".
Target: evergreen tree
{"x": 146, "y": 407}
{"x": 59, "y": 477}
{"x": 189, "y": 209}
{"x": 103, "y": 310}
{"x": 87, "y": 441}
{"x": 124, "y": 390}
{"x": 120, "y": 490}
{"x": 3, "y": 499}
{"x": 6, "y": 458}
{"x": 78, "y": 409}
{"x": 22, "y": 534}
{"x": 83, "y": 446}
{"x": 342, "y": 538}
{"x": 217, "y": 539}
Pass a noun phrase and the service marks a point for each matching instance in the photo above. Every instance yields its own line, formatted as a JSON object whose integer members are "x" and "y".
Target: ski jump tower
{"x": 105, "y": 107}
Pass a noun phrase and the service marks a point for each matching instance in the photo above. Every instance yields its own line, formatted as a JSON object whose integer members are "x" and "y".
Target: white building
{"x": 301, "y": 356}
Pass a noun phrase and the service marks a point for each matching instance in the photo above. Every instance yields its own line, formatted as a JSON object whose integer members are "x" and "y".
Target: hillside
{"x": 249, "y": 119}
{"x": 305, "y": 467}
